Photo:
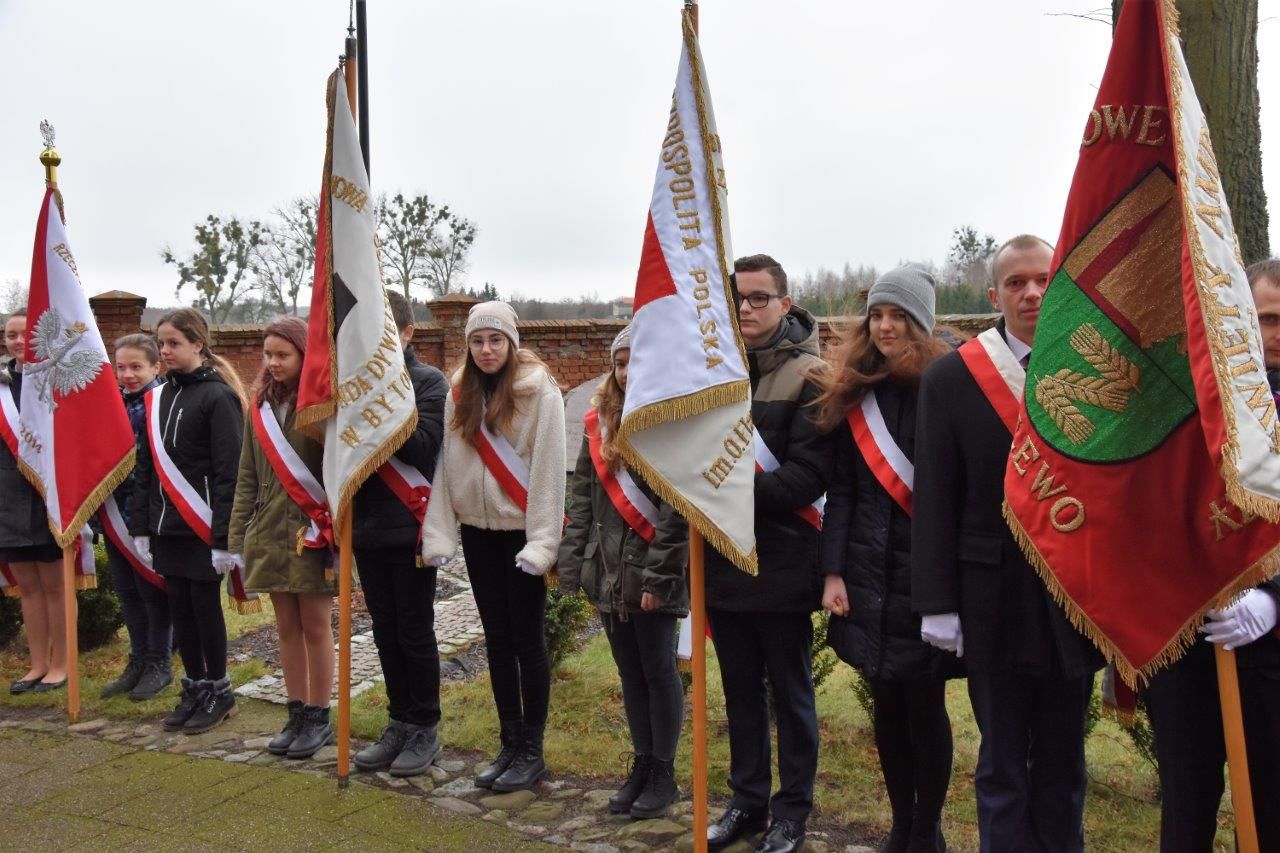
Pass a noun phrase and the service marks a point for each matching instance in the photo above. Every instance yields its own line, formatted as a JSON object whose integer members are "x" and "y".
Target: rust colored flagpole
{"x": 698, "y": 627}
{"x": 344, "y": 549}
{"x": 69, "y": 611}
{"x": 1237, "y": 759}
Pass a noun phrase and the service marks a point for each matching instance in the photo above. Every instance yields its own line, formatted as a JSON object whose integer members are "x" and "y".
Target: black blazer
{"x": 964, "y": 557}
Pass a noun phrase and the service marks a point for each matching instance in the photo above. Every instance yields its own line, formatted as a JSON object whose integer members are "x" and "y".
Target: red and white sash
{"x": 891, "y": 467}
{"x": 409, "y": 485}
{"x": 9, "y": 421}
{"x": 295, "y": 478}
{"x": 191, "y": 505}
{"x": 767, "y": 462}
{"x": 624, "y": 493}
{"x": 998, "y": 374}
{"x": 503, "y": 462}
{"x": 114, "y": 527}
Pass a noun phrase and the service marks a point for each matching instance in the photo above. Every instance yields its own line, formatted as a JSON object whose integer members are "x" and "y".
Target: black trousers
{"x": 1030, "y": 778}
{"x": 512, "y": 607}
{"x": 913, "y": 740}
{"x": 644, "y": 648}
{"x": 773, "y": 649}
{"x": 401, "y": 600}
{"x": 198, "y": 626}
{"x": 145, "y": 609}
{"x": 1182, "y": 701}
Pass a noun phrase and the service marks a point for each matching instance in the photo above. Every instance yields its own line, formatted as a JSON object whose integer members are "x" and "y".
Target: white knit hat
{"x": 494, "y": 315}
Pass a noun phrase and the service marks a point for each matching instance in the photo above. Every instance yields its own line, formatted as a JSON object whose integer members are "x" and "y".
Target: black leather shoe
{"x": 49, "y": 686}
{"x": 509, "y": 734}
{"x": 280, "y": 744}
{"x": 192, "y": 693}
{"x": 732, "y": 824}
{"x": 316, "y": 732}
{"x": 25, "y": 685}
{"x": 419, "y": 751}
{"x": 527, "y": 767}
{"x": 156, "y": 676}
{"x": 380, "y": 755}
{"x": 784, "y": 836}
{"x": 620, "y": 802}
{"x": 659, "y": 792}
{"x": 127, "y": 680}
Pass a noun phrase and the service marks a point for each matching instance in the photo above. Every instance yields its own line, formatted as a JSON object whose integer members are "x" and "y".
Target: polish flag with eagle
{"x": 686, "y": 423}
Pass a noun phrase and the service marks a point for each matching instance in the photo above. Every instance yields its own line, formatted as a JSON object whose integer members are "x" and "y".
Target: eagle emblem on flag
{"x": 61, "y": 368}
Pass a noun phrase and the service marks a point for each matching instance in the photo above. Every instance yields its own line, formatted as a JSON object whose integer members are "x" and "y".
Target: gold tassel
{"x": 551, "y": 578}
{"x": 302, "y": 540}
{"x": 329, "y": 574}
{"x": 83, "y": 582}
{"x": 246, "y": 608}
{"x": 12, "y": 592}
{"x": 684, "y": 665}
{"x": 1118, "y": 715}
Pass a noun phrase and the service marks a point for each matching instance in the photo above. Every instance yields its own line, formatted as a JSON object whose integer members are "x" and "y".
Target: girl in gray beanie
{"x": 869, "y": 399}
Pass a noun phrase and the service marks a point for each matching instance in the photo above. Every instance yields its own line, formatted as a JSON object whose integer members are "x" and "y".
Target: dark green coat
{"x": 265, "y": 521}
{"x": 609, "y": 561}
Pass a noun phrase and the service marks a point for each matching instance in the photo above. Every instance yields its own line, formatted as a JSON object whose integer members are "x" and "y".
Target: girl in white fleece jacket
{"x": 507, "y": 548}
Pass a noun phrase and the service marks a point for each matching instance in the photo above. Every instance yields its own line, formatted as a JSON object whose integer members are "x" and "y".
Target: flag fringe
{"x": 1119, "y": 716}
{"x": 551, "y": 579}
{"x": 248, "y": 608}
{"x": 12, "y": 592}
{"x": 686, "y": 406}
{"x": 83, "y": 582}
{"x": 371, "y": 464}
{"x": 686, "y": 508}
{"x": 104, "y": 489}
{"x": 1136, "y": 676}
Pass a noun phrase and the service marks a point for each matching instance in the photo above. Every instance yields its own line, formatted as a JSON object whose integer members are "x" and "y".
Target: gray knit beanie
{"x": 911, "y": 288}
{"x": 622, "y": 341}
{"x": 493, "y": 315}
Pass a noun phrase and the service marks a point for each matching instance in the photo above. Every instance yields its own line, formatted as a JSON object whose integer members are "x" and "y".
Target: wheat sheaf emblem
{"x": 1117, "y": 378}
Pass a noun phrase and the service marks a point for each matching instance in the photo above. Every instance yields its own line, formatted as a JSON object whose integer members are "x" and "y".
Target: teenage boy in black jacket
{"x": 399, "y": 593}
{"x": 761, "y": 624}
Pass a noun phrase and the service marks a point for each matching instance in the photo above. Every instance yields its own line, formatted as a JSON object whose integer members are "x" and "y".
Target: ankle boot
{"x": 381, "y": 755}
{"x": 419, "y": 751}
{"x": 509, "y": 735}
{"x": 899, "y": 835}
{"x": 926, "y": 837}
{"x": 528, "y": 766}
{"x": 217, "y": 703}
{"x": 127, "y": 680}
{"x": 659, "y": 792}
{"x": 156, "y": 676}
{"x": 315, "y": 733}
{"x": 191, "y": 694}
{"x": 620, "y": 803}
{"x": 280, "y": 744}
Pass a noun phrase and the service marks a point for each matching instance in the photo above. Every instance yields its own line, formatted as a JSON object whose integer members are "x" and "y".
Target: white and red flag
{"x": 686, "y": 424}
{"x": 354, "y": 380}
{"x": 75, "y": 444}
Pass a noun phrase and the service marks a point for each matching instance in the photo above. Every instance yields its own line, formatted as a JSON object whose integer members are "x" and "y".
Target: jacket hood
{"x": 203, "y": 373}
{"x": 797, "y": 335}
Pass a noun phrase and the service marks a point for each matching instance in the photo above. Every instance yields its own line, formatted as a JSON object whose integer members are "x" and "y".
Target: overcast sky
{"x": 859, "y": 132}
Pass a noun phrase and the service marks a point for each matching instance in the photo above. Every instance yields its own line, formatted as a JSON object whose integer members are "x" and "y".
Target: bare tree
{"x": 284, "y": 261}
{"x": 422, "y": 244}
{"x": 13, "y": 296}
{"x": 220, "y": 267}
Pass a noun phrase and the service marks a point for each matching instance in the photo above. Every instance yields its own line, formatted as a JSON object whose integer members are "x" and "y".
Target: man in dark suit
{"x": 1030, "y": 672}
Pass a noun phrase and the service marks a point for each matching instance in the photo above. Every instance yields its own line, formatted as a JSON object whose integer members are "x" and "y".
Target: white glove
{"x": 223, "y": 561}
{"x": 527, "y": 567}
{"x": 1250, "y": 617}
{"x": 142, "y": 544}
{"x": 439, "y": 562}
{"x": 943, "y": 631}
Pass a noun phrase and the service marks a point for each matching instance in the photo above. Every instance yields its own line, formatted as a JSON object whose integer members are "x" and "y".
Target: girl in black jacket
{"x": 28, "y": 546}
{"x": 866, "y": 550}
{"x": 637, "y": 581}
{"x": 200, "y": 412}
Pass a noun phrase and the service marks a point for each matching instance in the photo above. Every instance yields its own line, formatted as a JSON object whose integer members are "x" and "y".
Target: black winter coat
{"x": 866, "y": 539}
{"x": 964, "y": 558}
{"x": 202, "y": 426}
{"x": 786, "y": 544}
{"x": 23, "y": 519}
{"x": 612, "y": 563}
{"x": 380, "y": 519}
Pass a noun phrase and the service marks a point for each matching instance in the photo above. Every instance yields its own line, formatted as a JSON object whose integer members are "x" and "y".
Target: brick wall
{"x": 576, "y": 350}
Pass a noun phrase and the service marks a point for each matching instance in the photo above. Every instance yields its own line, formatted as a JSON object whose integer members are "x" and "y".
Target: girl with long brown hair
{"x": 195, "y": 431}
{"x": 627, "y": 550}
{"x": 268, "y": 534}
{"x": 501, "y": 474}
{"x": 869, "y": 400}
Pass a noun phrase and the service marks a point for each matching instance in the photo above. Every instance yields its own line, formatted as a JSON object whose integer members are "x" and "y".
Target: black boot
{"x": 127, "y": 680}
{"x": 509, "y": 735}
{"x": 419, "y": 751}
{"x": 191, "y": 695}
{"x": 315, "y": 733}
{"x": 217, "y": 703}
{"x": 620, "y": 803}
{"x": 528, "y": 766}
{"x": 156, "y": 676}
{"x": 659, "y": 792}
{"x": 926, "y": 837}
{"x": 899, "y": 835}
{"x": 378, "y": 756}
{"x": 280, "y": 744}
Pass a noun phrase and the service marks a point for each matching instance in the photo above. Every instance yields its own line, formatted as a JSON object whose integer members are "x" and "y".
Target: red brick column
{"x": 449, "y": 312}
{"x": 117, "y": 313}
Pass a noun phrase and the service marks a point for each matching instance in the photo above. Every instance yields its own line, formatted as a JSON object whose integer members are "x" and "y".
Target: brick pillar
{"x": 450, "y": 313}
{"x": 117, "y": 313}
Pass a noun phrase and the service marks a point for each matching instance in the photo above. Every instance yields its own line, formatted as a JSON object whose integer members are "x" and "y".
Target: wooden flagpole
{"x": 69, "y": 612}
{"x": 344, "y": 554}
{"x": 1237, "y": 758}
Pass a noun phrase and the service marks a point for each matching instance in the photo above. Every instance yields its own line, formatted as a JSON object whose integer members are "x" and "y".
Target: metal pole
{"x": 362, "y": 60}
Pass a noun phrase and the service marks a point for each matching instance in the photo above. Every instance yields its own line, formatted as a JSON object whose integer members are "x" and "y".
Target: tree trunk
{"x": 1220, "y": 42}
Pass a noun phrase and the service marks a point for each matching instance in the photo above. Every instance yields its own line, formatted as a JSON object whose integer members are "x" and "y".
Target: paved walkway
{"x": 457, "y": 629}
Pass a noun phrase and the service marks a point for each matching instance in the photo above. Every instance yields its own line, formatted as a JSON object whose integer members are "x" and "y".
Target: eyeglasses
{"x": 758, "y": 299}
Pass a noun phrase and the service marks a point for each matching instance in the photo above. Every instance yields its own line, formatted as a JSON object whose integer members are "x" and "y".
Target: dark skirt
{"x": 182, "y": 557}
{"x": 50, "y": 553}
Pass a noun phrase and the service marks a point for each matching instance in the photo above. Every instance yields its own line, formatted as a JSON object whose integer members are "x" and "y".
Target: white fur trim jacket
{"x": 465, "y": 492}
